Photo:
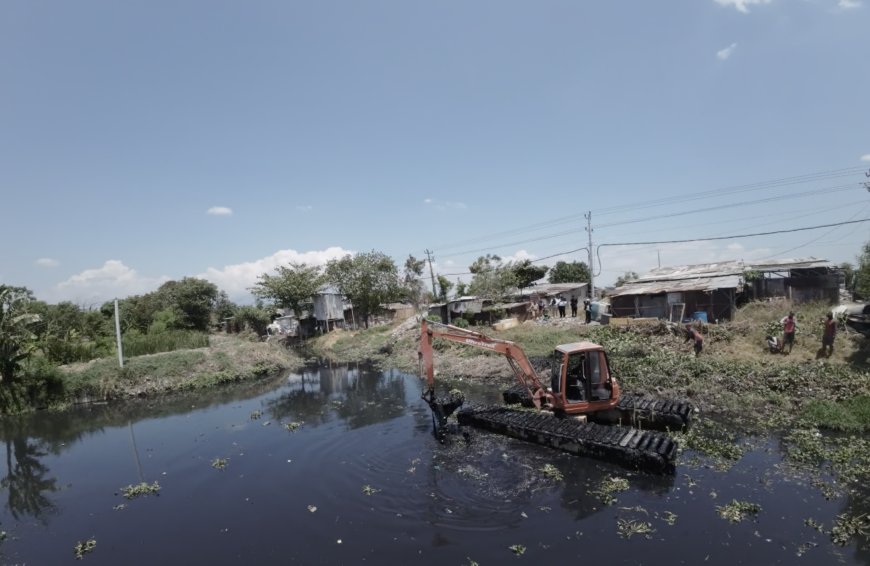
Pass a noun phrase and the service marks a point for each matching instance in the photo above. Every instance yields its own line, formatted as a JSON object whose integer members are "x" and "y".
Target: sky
{"x": 145, "y": 141}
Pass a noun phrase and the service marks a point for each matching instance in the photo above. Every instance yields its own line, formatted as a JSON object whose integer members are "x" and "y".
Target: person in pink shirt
{"x": 789, "y": 327}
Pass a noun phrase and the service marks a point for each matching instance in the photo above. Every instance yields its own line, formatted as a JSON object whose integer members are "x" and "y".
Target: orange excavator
{"x": 580, "y": 388}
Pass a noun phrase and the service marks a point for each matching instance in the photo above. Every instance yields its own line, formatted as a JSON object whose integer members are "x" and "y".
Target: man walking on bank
{"x": 789, "y": 327}
{"x": 828, "y": 335}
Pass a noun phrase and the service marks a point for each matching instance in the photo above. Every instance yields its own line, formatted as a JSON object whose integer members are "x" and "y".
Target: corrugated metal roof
{"x": 677, "y": 286}
{"x": 731, "y": 267}
{"x": 709, "y": 276}
{"x": 548, "y": 289}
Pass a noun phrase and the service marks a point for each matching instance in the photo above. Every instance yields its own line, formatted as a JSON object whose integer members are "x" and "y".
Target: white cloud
{"x": 723, "y": 54}
{"x": 220, "y": 211}
{"x": 47, "y": 262}
{"x": 304, "y": 207}
{"x": 865, "y": 157}
{"x": 236, "y": 279}
{"x": 445, "y": 205}
{"x": 848, "y": 4}
{"x": 742, "y": 5}
{"x": 113, "y": 279}
{"x": 520, "y": 255}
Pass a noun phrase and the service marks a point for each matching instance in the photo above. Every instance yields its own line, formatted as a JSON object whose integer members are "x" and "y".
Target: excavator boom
{"x": 516, "y": 357}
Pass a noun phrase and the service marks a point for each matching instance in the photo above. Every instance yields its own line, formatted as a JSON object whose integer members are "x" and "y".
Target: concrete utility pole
{"x": 588, "y": 217}
{"x": 431, "y": 273}
{"x": 118, "y": 334}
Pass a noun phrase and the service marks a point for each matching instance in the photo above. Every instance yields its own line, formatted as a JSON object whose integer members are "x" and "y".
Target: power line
{"x": 834, "y": 189}
{"x": 736, "y": 189}
{"x": 733, "y": 236}
{"x": 725, "y": 191}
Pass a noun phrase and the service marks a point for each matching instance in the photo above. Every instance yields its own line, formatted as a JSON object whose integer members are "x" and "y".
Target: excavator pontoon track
{"x": 639, "y": 449}
{"x": 632, "y": 410}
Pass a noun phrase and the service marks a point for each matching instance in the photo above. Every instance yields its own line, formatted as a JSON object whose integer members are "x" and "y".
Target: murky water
{"x": 363, "y": 480}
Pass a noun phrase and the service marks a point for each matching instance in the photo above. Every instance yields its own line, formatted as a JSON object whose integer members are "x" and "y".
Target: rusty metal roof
{"x": 678, "y": 286}
{"x": 709, "y": 276}
{"x": 548, "y": 289}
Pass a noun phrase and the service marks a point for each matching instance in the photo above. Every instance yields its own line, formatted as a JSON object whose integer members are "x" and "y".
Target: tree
{"x": 17, "y": 336}
{"x": 367, "y": 279}
{"x": 444, "y": 286}
{"x": 574, "y": 272}
{"x": 192, "y": 299}
{"x": 292, "y": 285}
{"x": 461, "y": 288}
{"x": 526, "y": 273}
{"x": 861, "y": 276}
{"x": 626, "y": 277}
{"x": 492, "y": 278}
{"x": 413, "y": 284}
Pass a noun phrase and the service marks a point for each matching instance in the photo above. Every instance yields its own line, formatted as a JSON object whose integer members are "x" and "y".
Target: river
{"x": 338, "y": 465}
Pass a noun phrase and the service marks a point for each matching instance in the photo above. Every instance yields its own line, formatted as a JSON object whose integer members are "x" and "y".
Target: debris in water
{"x": 293, "y": 427}
{"x": 627, "y": 528}
{"x": 608, "y": 487}
{"x": 369, "y": 490}
{"x": 144, "y": 488}
{"x": 119, "y": 507}
{"x": 82, "y": 548}
{"x": 219, "y": 463}
{"x": 256, "y": 415}
{"x": 552, "y": 472}
{"x": 517, "y": 549}
{"x": 312, "y": 508}
{"x": 736, "y": 511}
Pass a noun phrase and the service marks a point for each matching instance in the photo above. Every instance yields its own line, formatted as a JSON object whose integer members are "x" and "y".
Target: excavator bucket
{"x": 443, "y": 407}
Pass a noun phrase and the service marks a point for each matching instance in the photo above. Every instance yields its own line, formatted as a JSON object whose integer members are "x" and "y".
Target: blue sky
{"x": 145, "y": 141}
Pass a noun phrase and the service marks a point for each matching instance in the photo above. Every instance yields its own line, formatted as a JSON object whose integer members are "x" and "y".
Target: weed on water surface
{"x": 219, "y": 463}
{"x": 848, "y": 526}
{"x": 736, "y": 511}
{"x": 83, "y": 547}
{"x": 608, "y": 487}
{"x": 630, "y": 527}
{"x": 141, "y": 489}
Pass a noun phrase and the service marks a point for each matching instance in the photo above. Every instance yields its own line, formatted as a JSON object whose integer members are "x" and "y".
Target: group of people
{"x": 789, "y": 329}
{"x": 559, "y": 305}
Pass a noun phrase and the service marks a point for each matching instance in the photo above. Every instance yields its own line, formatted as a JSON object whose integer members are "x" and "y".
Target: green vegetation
{"x": 564, "y": 272}
{"x": 517, "y": 549}
{"x": 17, "y": 336}
{"x": 369, "y": 490}
{"x": 368, "y": 279}
{"x": 291, "y": 287}
{"x": 136, "y": 344}
{"x": 552, "y": 472}
{"x": 736, "y": 511}
{"x": 140, "y": 490}
{"x": 629, "y": 527}
{"x": 848, "y": 415}
{"x": 82, "y": 548}
{"x": 608, "y": 488}
{"x": 219, "y": 463}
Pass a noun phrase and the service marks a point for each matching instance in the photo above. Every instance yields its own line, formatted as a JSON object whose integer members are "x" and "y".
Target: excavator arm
{"x": 516, "y": 357}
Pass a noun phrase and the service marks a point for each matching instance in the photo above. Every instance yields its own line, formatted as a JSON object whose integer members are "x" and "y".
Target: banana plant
{"x": 17, "y": 339}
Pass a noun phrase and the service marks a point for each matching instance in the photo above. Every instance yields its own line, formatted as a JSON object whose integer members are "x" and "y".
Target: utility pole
{"x": 118, "y": 336}
{"x": 588, "y": 217}
{"x": 431, "y": 272}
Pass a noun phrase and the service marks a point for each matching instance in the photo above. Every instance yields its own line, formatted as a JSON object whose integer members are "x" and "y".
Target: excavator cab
{"x": 581, "y": 378}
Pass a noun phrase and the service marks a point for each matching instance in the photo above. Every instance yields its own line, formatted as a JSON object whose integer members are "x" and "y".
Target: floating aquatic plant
{"x": 219, "y": 463}
{"x": 144, "y": 488}
{"x": 369, "y": 490}
{"x": 82, "y": 548}
{"x": 293, "y": 427}
{"x": 552, "y": 472}
{"x": 736, "y": 511}
{"x": 608, "y": 487}
{"x": 517, "y": 549}
{"x": 628, "y": 528}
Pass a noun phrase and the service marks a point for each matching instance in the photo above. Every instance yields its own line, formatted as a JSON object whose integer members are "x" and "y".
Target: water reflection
{"x": 26, "y": 478}
{"x": 358, "y": 395}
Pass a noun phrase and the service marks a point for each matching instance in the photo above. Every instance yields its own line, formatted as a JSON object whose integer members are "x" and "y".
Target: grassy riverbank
{"x": 227, "y": 358}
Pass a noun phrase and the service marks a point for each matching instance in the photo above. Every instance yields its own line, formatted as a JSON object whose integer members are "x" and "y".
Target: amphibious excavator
{"x": 582, "y": 410}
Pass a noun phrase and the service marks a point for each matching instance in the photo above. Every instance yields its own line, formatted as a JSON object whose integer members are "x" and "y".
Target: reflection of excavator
{"x": 580, "y": 386}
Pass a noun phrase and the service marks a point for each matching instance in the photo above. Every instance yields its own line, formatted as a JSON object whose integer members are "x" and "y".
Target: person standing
{"x": 587, "y": 307}
{"x": 789, "y": 328}
{"x": 828, "y": 335}
{"x": 562, "y": 304}
{"x": 574, "y": 306}
{"x": 697, "y": 337}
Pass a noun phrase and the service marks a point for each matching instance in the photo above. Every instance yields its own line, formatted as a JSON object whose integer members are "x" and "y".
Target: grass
{"x": 849, "y": 415}
{"x": 167, "y": 341}
{"x": 139, "y": 490}
{"x": 227, "y": 359}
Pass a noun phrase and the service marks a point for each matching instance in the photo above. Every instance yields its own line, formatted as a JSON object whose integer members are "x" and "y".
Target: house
{"x": 329, "y": 308}
{"x": 712, "y": 291}
{"x": 548, "y": 291}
